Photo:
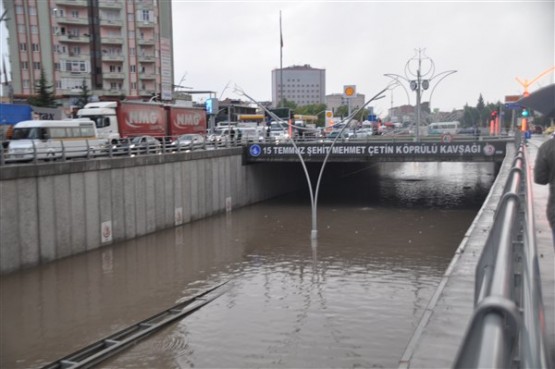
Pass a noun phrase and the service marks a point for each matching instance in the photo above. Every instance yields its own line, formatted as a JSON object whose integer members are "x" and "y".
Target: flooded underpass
{"x": 385, "y": 237}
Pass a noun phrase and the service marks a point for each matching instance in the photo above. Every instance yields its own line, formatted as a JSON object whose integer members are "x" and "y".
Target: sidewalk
{"x": 544, "y": 243}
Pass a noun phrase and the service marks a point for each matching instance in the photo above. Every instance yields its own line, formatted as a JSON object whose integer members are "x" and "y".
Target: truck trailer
{"x": 116, "y": 120}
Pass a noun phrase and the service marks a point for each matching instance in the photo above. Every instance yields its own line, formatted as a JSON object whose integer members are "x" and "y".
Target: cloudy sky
{"x": 488, "y": 43}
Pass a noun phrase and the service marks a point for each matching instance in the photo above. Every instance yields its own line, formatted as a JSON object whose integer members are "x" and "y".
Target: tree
{"x": 313, "y": 109}
{"x": 480, "y": 107}
{"x": 287, "y": 104}
{"x": 470, "y": 116}
{"x": 342, "y": 111}
{"x": 44, "y": 96}
{"x": 84, "y": 96}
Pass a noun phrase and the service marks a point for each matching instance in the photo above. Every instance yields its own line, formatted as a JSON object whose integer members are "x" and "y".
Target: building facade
{"x": 115, "y": 47}
{"x": 334, "y": 101}
{"x": 300, "y": 84}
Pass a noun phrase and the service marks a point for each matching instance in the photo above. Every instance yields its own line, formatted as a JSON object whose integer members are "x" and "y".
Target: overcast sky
{"x": 489, "y": 44}
{"x": 226, "y": 43}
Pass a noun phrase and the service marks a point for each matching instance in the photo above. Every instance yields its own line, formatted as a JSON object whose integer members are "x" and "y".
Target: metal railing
{"x": 507, "y": 329}
{"x": 89, "y": 150}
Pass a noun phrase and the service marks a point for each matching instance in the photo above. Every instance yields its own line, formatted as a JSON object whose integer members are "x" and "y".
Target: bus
{"x": 440, "y": 128}
{"x": 53, "y": 139}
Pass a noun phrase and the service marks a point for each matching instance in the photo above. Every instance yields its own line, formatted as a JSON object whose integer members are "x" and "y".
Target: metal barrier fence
{"x": 507, "y": 329}
{"x": 88, "y": 149}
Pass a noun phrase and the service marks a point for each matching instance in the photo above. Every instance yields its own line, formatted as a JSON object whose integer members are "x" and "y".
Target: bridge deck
{"x": 438, "y": 336}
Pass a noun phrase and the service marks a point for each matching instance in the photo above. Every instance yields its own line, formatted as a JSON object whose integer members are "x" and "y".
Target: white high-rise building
{"x": 300, "y": 84}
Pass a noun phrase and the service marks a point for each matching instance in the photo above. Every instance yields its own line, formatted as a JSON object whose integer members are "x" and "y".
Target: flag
{"x": 280, "y": 34}
{"x": 5, "y": 72}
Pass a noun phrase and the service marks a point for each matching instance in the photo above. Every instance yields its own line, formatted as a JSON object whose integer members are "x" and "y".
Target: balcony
{"x": 72, "y": 3}
{"x": 112, "y": 57}
{"x": 74, "y": 39}
{"x": 146, "y": 41}
{"x": 71, "y": 74}
{"x": 72, "y": 56}
{"x": 111, "y": 22}
{"x": 113, "y": 75}
{"x": 111, "y": 40}
{"x": 144, "y": 24}
{"x": 110, "y": 4}
{"x": 146, "y": 58}
{"x": 147, "y": 75}
{"x": 113, "y": 92}
{"x": 72, "y": 20}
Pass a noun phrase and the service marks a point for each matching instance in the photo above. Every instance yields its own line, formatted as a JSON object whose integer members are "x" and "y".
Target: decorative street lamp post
{"x": 422, "y": 81}
{"x": 314, "y": 194}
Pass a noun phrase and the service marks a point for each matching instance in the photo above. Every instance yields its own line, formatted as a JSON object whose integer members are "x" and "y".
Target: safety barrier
{"x": 507, "y": 329}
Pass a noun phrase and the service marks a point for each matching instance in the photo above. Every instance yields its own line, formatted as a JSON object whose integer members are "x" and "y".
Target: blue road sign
{"x": 512, "y": 106}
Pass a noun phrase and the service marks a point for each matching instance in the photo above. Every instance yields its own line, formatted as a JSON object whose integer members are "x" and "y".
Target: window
{"x": 32, "y": 10}
{"x": 75, "y": 66}
{"x": 23, "y": 46}
{"x": 19, "y": 9}
{"x": 24, "y": 65}
{"x": 75, "y": 13}
{"x": 133, "y": 85}
{"x": 58, "y": 132}
{"x": 75, "y": 50}
{"x": 35, "y": 47}
{"x": 145, "y": 15}
{"x": 21, "y": 28}
{"x": 36, "y": 65}
{"x": 26, "y": 83}
{"x": 133, "y": 68}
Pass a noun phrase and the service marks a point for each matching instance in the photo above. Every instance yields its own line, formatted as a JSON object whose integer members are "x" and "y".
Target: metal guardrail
{"x": 507, "y": 329}
{"x": 65, "y": 152}
{"x": 90, "y": 151}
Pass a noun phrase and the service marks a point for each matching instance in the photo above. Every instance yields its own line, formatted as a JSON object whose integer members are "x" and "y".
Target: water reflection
{"x": 350, "y": 300}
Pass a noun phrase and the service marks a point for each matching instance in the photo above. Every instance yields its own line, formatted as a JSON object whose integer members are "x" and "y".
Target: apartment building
{"x": 116, "y": 47}
{"x": 302, "y": 84}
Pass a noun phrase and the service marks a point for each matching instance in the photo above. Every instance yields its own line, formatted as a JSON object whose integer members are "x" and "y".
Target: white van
{"x": 52, "y": 139}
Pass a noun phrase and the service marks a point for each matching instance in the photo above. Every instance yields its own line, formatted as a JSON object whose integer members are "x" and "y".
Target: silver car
{"x": 190, "y": 141}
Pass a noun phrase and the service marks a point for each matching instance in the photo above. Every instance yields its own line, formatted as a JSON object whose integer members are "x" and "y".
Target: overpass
{"x": 383, "y": 150}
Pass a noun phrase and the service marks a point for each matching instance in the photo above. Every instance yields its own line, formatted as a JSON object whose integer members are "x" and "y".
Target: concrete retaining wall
{"x": 50, "y": 211}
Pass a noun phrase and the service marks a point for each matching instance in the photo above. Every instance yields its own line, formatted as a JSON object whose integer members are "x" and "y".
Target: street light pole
{"x": 418, "y": 89}
{"x": 314, "y": 194}
{"x": 422, "y": 82}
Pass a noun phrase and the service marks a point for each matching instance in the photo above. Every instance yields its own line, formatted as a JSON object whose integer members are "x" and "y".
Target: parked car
{"x": 335, "y": 133}
{"x": 138, "y": 145}
{"x": 221, "y": 136}
{"x": 360, "y": 134}
{"x": 191, "y": 141}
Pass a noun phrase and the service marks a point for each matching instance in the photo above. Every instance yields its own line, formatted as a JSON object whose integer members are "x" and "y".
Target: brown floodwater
{"x": 352, "y": 299}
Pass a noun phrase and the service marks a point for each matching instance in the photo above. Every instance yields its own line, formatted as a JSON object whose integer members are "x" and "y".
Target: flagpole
{"x": 280, "y": 62}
